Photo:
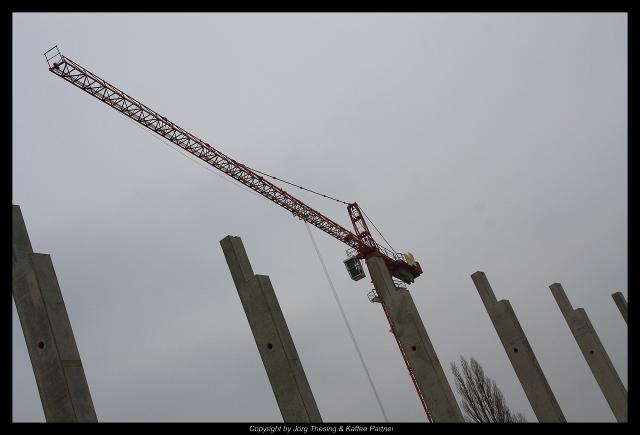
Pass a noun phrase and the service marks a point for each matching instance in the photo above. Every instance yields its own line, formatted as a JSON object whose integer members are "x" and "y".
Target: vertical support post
{"x": 417, "y": 346}
{"x": 523, "y": 359}
{"x": 621, "y": 302}
{"x": 56, "y": 363}
{"x": 594, "y": 353}
{"x": 275, "y": 345}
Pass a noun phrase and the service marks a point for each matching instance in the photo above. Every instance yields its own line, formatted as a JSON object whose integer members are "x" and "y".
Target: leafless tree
{"x": 482, "y": 400}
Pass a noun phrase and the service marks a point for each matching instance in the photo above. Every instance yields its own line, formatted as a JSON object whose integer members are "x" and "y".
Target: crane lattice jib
{"x": 143, "y": 115}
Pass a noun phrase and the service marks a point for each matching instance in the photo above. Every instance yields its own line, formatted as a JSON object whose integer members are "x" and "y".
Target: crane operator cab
{"x": 354, "y": 267}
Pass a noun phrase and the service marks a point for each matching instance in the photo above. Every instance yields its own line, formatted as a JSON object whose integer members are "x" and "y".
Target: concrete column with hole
{"x": 621, "y": 303}
{"x": 275, "y": 345}
{"x": 523, "y": 360}
{"x": 594, "y": 353}
{"x": 417, "y": 346}
{"x": 54, "y": 356}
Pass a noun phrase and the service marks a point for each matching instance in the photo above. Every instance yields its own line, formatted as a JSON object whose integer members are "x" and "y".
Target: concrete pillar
{"x": 520, "y": 353}
{"x": 595, "y": 354}
{"x": 269, "y": 328}
{"x": 416, "y": 344}
{"x": 60, "y": 378}
{"x": 621, "y": 302}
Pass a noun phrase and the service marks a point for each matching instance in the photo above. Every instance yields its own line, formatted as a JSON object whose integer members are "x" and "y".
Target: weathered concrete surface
{"x": 614, "y": 391}
{"x": 520, "y": 353}
{"x": 416, "y": 344}
{"x": 59, "y": 374}
{"x": 621, "y": 302}
{"x": 269, "y": 328}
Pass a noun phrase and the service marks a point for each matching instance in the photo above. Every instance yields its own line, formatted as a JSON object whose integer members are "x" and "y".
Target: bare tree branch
{"x": 482, "y": 400}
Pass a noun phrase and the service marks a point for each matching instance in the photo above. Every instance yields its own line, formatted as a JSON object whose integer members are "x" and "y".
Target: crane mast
{"x": 361, "y": 244}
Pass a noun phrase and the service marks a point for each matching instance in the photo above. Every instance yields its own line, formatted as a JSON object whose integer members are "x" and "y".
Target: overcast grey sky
{"x": 493, "y": 142}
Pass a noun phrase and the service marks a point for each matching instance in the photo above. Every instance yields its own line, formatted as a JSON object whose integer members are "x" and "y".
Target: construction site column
{"x": 275, "y": 345}
{"x": 56, "y": 363}
{"x": 524, "y": 361}
{"x": 594, "y": 353}
{"x": 621, "y": 302}
{"x": 416, "y": 344}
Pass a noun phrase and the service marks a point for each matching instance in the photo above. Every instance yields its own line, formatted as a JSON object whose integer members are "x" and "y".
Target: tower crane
{"x": 361, "y": 243}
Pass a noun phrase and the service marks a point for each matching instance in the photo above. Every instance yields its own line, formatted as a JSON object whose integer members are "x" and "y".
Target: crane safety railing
{"x": 352, "y": 252}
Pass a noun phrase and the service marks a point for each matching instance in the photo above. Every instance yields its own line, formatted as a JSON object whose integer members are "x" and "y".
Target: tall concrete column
{"x": 621, "y": 302}
{"x": 416, "y": 344}
{"x": 56, "y": 363}
{"x": 595, "y": 354}
{"x": 520, "y": 353}
{"x": 270, "y": 331}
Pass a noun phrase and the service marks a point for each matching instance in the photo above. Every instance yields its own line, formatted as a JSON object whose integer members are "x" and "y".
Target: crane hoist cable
{"x": 298, "y": 186}
{"x": 377, "y": 230}
{"x": 346, "y": 322}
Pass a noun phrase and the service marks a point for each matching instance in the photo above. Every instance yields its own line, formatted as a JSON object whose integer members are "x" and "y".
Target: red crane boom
{"x": 362, "y": 243}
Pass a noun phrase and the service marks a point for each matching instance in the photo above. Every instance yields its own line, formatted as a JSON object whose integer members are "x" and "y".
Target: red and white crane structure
{"x": 360, "y": 242}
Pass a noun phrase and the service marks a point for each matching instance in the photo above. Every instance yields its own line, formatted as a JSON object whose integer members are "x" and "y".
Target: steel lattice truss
{"x": 361, "y": 243}
{"x": 143, "y": 115}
